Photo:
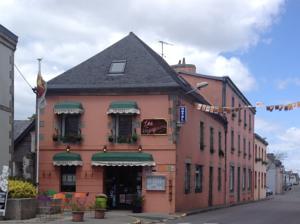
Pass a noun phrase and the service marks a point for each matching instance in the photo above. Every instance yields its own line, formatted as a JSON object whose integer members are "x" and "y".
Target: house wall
{"x": 189, "y": 152}
{"x": 271, "y": 177}
{"x": 23, "y": 158}
{"x": 7, "y": 48}
{"x": 279, "y": 180}
{"x": 219, "y": 93}
{"x": 95, "y": 128}
{"x": 260, "y": 168}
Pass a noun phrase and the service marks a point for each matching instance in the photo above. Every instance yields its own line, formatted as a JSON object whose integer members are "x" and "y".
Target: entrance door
{"x": 239, "y": 184}
{"x": 210, "y": 193}
{"x": 121, "y": 184}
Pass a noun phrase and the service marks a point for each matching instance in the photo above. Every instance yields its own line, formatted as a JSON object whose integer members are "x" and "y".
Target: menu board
{"x": 156, "y": 183}
{"x": 3, "y": 189}
{"x": 154, "y": 127}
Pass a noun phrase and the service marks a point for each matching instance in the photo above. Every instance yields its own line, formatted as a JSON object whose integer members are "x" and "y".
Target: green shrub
{"x": 21, "y": 189}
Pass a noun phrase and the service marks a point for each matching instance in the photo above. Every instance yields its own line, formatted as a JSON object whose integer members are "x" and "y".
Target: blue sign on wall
{"x": 182, "y": 114}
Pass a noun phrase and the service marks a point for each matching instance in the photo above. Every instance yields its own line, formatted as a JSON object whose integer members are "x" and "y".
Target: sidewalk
{"x": 111, "y": 217}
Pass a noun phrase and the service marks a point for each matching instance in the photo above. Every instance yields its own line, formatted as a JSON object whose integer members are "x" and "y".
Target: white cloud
{"x": 284, "y": 141}
{"x": 285, "y": 83}
{"x": 67, "y": 32}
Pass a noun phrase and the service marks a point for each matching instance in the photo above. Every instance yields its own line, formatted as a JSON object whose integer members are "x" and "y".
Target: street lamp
{"x": 199, "y": 85}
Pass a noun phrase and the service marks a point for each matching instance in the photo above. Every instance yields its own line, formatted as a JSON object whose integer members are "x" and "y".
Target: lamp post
{"x": 199, "y": 86}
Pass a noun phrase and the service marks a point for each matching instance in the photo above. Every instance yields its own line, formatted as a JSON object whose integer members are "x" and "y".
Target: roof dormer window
{"x": 117, "y": 67}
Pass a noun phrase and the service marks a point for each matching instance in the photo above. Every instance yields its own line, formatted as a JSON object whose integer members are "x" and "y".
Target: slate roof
{"x": 7, "y": 33}
{"x": 144, "y": 68}
{"x": 21, "y": 127}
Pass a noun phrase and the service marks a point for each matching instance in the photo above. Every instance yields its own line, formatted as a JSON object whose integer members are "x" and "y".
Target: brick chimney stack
{"x": 183, "y": 67}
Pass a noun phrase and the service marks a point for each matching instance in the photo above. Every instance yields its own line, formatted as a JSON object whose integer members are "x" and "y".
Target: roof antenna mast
{"x": 162, "y": 47}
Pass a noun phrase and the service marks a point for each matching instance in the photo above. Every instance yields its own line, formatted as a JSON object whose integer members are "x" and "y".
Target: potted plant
{"x": 100, "y": 206}
{"x": 134, "y": 138}
{"x": 78, "y": 209}
{"x": 137, "y": 203}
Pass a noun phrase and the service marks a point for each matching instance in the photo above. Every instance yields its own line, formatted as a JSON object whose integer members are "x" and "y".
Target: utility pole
{"x": 162, "y": 47}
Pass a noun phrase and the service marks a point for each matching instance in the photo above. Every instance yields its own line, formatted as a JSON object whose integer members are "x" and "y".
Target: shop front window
{"x": 68, "y": 179}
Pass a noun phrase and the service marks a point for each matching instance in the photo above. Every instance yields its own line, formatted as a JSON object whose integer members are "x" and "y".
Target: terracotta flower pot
{"x": 99, "y": 213}
{"x": 77, "y": 216}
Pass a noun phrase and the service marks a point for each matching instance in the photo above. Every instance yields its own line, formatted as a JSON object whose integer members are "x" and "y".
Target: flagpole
{"x": 38, "y": 132}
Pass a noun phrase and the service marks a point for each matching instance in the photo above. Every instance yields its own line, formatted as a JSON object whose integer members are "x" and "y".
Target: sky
{"x": 256, "y": 43}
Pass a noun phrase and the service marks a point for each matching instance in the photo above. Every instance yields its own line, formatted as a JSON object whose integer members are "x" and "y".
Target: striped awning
{"x": 67, "y": 159}
{"x": 123, "y": 107}
{"x": 122, "y": 159}
{"x": 68, "y": 108}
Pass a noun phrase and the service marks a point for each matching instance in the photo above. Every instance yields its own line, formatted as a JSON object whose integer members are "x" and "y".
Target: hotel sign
{"x": 154, "y": 127}
{"x": 182, "y": 114}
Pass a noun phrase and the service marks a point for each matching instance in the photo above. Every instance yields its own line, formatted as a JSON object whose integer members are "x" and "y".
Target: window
{"x": 262, "y": 180}
{"x": 220, "y": 141}
{"x": 232, "y": 140}
{"x": 255, "y": 179}
{"x": 265, "y": 184}
{"x": 244, "y": 179}
{"x": 69, "y": 127}
{"x": 68, "y": 179}
{"x": 250, "y": 122}
{"x": 249, "y": 149}
{"x": 211, "y": 139}
{"x": 198, "y": 178}
{"x": 231, "y": 179}
{"x": 233, "y": 105}
{"x": 240, "y": 118}
{"x": 123, "y": 128}
{"x": 187, "y": 179}
{"x": 245, "y": 118}
{"x": 239, "y": 144}
{"x": 219, "y": 179}
{"x": 255, "y": 151}
{"x": 232, "y": 102}
{"x": 244, "y": 147}
{"x": 249, "y": 179}
{"x": 202, "y": 135}
{"x": 117, "y": 67}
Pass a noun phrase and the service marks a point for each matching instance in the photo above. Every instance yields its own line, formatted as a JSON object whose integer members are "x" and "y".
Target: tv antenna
{"x": 162, "y": 47}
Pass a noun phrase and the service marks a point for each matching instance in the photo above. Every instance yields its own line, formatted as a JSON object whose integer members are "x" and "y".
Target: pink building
{"x": 222, "y": 92}
{"x": 260, "y": 167}
{"x": 124, "y": 123}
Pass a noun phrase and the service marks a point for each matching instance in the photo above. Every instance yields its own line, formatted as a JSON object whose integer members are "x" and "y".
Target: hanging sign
{"x": 154, "y": 127}
{"x": 182, "y": 114}
{"x": 3, "y": 189}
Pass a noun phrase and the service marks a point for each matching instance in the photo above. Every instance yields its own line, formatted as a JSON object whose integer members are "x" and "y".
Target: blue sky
{"x": 254, "y": 42}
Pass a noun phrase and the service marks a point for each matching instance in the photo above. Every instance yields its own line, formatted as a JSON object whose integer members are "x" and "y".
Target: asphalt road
{"x": 281, "y": 209}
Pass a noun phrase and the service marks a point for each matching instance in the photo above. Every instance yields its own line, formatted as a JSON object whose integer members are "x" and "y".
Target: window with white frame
{"x": 231, "y": 179}
{"x": 198, "y": 178}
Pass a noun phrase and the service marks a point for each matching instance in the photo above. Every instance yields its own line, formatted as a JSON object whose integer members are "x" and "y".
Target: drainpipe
{"x": 225, "y": 190}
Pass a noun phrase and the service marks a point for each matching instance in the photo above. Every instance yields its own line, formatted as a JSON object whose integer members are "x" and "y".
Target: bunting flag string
{"x": 228, "y": 110}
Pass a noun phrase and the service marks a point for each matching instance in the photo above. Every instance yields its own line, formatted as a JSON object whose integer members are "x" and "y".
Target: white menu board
{"x": 156, "y": 183}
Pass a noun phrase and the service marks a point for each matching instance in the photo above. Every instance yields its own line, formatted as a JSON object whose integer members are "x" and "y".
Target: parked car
{"x": 288, "y": 187}
{"x": 269, "y": 192}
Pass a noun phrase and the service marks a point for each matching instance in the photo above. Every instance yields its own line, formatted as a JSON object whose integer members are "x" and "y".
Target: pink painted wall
{"x": 213, "y": 93}
{"x": 261, "y": 169}
{"x": 95, "y": 130}
{"x": 189, "y": 150}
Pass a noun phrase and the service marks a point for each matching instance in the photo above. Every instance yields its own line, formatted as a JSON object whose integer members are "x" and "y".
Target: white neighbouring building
{"x": 8, "y": 42}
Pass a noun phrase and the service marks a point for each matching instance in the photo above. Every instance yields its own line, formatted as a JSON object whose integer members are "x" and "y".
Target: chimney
{"x": 185, "y": 68}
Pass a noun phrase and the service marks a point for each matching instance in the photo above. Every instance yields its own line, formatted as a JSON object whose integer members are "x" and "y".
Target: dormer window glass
{"x": 117, "y": 67}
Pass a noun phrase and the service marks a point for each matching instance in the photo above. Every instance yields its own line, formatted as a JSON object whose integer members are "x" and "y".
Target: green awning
{"x": 68, "y": 108}
{"x": 122, "y": 159}
{"x": 123, "y": 107}
{"x": 67, "y": 159}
